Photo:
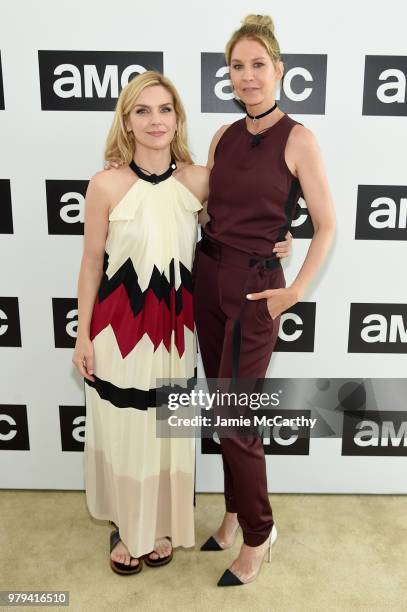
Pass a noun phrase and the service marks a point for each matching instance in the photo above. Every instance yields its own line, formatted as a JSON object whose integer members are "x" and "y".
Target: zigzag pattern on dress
{"x": 158, "y": 311}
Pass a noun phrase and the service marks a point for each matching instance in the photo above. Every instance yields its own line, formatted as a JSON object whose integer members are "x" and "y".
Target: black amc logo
{"x": 6, "y": 211}
{"x": 10, "y": 332}
{"x": 90, "y": 80}
{"x": 381, "y": 212}
{"x": 1, "y": 87}
{"x": 13, "y": 427}
{"x": 378, "y": 328}
{"x": 297, "y": 329}
{"x": 72, "y": 421}
{"x": 277, "y": 440}
{"x": 375, "y": 434}
{"x": 301, "y": 226}
{"x": 65, "y": 313}
{"x": 303, "y": 88}
{"x": 66, "y": 206}
{"x": 384, "y": 90}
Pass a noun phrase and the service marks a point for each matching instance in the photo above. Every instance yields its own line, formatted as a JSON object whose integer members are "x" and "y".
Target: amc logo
{"x": 66, "y": 206}
{"x": 303, "y": 88}
{"x": 301, "y": 225}
{"x": 65, "y": 315}
{"x": 6, "y": 212}
{"x": 13, "y": 427}
{"x": 375, "y": 433}
{"x": 297, "y": 329}
{"x": 378, "y": 328}
{"x": 384, "y": 91}
{"x": 72, "y": 420}
{"x": 381, "y": 212}
{"x": 277, "y": 440}
{"x": 90, "y": 80}
{"x": 10, "y": 333}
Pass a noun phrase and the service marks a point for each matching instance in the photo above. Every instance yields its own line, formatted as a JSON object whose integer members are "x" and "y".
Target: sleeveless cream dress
{"x": 142, "y": 331}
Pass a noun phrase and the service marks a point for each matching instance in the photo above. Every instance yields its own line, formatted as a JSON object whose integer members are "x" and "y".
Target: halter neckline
{"x": 153, "y": 178}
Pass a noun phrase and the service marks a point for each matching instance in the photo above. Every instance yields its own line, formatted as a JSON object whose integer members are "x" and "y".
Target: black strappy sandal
{"x": 160, "y": 561}
{"x": 122, "y": 568}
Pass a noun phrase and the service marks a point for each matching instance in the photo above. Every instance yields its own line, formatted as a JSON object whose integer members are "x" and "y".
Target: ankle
{"x": 231, "y": 517}
{"x": 254, "y": 551}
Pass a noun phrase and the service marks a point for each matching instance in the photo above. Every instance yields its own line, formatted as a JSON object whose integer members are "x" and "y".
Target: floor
{"x": 333, "y": 552}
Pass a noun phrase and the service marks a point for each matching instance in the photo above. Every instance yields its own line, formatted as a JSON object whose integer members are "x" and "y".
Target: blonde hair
{"x": 121, "y": 145}
{"x": 256, "y": 27}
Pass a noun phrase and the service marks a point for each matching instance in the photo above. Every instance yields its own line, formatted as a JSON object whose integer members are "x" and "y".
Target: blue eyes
{"x": 165, "y": 109}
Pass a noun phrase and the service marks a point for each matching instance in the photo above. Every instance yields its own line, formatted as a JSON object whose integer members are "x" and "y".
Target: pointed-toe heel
{"x": 273, "y": 538}
{"x": 211, "y": 544}
{"x": 229, "y": 579}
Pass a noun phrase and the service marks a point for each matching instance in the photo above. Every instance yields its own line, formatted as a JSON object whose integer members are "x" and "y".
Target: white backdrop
{"x": 38, "y": 145}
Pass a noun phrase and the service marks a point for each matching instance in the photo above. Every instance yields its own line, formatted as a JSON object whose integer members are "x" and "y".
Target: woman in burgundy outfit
{"x": 260, "y": 166}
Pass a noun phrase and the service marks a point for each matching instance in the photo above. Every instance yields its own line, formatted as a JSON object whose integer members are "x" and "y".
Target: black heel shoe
{"x": 228, "y": 578}
{"x": 212, "y": 545}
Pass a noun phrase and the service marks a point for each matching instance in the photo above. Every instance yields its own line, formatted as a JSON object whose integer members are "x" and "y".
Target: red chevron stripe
{"x": 155, "y": 319}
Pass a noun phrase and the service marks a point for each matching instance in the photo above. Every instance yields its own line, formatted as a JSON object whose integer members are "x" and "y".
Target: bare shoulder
{"x": 219, "y": 133}
{"x": 106, "y": 187}
{"x": 196, "y": 172}
{"x": 217, "y": 136}
{"x": 99, "y": 186}
{"x": 221, "y": 130}
{"x": 107, "y": 178}
{"x": 302, "y": 138}
{"x": 191, "y": 172}
{"x": 196, "y": 178}
{"x": 182, "y": 168}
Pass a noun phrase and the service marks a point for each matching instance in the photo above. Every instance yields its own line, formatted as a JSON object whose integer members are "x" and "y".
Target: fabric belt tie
{"x": 221, "y": 252}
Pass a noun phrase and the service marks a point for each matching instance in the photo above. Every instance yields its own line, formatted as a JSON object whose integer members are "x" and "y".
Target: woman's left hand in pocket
{"x": 278, "y": 300}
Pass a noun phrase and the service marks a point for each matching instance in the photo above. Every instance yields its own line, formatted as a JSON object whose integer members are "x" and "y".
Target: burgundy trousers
{"x": 227, "y": 322}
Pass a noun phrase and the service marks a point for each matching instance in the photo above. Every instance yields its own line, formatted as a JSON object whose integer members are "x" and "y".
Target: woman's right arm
{"x": 96, "y": 227}
{"x": 212, "y": 147}
{"x": 203, "y": 216}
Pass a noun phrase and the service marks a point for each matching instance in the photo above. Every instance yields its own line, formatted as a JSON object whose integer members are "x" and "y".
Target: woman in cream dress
{"x": 136, "y": 324}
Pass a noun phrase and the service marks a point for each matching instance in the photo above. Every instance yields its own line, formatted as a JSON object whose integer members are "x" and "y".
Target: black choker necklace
{"x": 256, "y": 117}
{"x": 153, "y": 178}
{"x": 257, "y": 137}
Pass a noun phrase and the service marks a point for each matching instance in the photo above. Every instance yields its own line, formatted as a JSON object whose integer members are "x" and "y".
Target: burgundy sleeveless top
{"x": 252, "y": 193}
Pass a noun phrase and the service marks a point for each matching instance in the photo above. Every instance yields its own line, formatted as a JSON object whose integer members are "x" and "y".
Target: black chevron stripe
{"x": 137, "y": 398}
{"x": 159, "y": 283}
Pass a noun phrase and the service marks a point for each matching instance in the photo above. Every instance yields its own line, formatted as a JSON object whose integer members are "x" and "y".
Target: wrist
{"x": 82, "y": 334}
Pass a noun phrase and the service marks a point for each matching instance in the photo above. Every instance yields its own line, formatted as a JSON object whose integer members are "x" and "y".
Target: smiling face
{"x": 253, "y": 73}
{"x": 153, "y": 119}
